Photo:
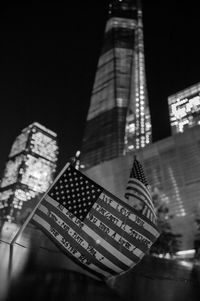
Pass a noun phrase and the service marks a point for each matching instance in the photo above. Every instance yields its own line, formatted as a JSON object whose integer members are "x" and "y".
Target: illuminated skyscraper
{"x": 118, "y": 120}
{"x": 29, "y": 169}
{"x": 184, "y": 109}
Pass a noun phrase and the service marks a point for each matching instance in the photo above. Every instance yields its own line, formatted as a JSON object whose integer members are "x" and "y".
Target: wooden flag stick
{"x": 19, "y": 232}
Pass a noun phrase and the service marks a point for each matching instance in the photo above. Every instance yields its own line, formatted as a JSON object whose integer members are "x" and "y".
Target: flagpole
{"x": 37, "y": 205}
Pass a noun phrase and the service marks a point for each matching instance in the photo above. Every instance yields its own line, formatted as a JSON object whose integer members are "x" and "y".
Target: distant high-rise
{"x": 118, "y": 120}
{"x": 184, "y": 109}
{"x": 29, "y": 169}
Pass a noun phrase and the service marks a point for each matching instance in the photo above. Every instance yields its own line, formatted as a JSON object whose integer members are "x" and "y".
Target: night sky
{"x": 48, "y": 57}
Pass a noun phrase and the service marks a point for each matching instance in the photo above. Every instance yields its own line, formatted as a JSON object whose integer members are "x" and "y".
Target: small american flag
{"x": 94, "y": 228}
{"x": 138, "y": 194}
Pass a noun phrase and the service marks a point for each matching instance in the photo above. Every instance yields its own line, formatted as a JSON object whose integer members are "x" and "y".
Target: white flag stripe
{"x": 133, "y": 249}
{"x": 127, "y": 229}
{"x": 131, "y": 216}
{"x": 146, "y": 211}
{"x": 44, "y": 209}
{"x": 142, "y": 188}
{"x": 146, "y": 188}
{"x": 146, "y": 191}
{"x": 133, "y": 193}
{"x": 133, "y": 190}
{"x": 93, "y": 235}
{"x": 59, "y": 237}
{"x": 133, "y": 198}
{"x": 84, "y": 243}
{"x": 107, "y": 246}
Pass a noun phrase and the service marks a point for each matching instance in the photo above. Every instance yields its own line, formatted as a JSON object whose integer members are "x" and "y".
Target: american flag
{"x": 93, "y": 227}
{"x": 138, "y": 194}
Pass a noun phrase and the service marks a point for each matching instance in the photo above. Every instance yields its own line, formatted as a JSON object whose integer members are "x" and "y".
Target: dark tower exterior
{"x": 118, "y": 120}
{"x": 29, "y": 171}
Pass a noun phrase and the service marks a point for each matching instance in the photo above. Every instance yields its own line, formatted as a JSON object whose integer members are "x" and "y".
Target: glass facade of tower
{"x": 29, "y": 169}
{"x": 118, "y": 120}
{"x": 184, "y": 109}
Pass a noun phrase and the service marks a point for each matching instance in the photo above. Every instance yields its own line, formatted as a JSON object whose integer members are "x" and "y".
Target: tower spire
{"x": 138, "y": 115}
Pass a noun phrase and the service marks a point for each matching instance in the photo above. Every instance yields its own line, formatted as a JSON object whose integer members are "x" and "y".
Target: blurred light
{"x": 186, "y": 264}
{"x": 185, "y": 252}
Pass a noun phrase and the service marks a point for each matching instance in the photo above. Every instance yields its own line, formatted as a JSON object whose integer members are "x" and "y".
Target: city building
{"x": 119, "y": 124}
{"x": 118, "y": 119}
{"x": 184, "y": 109}
{"x": 29, "y": 171}
{"x": 172, "y": 167}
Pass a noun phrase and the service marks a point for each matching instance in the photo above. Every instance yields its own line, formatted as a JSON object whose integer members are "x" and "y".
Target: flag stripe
{"x": 118, "y": 227}
{"x": 89, "y": 236}
{"x": 85, "y": 234}
{"x": 142, "y": 187}
{"x": 129, "y": 220}
{"x": 134, "y": 184}
{"x": 77, "y": 246}
{"x": 123, "y": 229}
{"x": 124, "y": 204}
{"x": 149, "y": 229}
{"x": 149, "y": 214}
{"x": 131, "y": 192}
{"x": 127, "y": 257}
{"x": 114, "y": 254}
{"x": 45, "y": 227}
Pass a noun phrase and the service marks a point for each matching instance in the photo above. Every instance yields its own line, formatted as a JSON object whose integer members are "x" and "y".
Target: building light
{"x": 184, "y": 108}
{"x": 185, "y": 252}
{"x": 30, "y": 167}
{"x": 130, "y": 147}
